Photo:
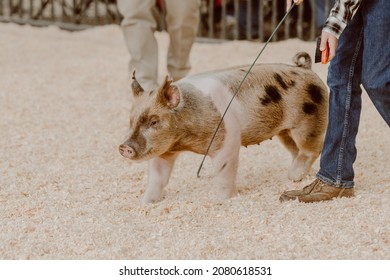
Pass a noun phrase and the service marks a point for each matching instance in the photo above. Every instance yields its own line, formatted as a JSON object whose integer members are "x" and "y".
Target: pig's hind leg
{"x": 289, "y": 143}
{"x": 307, "y": 148}
{"x": 159, "y": 169}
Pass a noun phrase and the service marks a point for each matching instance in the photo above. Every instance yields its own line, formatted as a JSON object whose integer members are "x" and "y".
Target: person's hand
{"x": 289, "y": 3}
{"x": 332, "y": 41}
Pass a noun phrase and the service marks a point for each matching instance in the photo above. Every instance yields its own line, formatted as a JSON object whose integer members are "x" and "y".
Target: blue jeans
{"x": 362, "y": 58}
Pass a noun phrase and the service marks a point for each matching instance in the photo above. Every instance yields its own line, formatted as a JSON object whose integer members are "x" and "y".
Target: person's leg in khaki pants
{"x": 138, "y": 26}
{"x": 182, "y": 24}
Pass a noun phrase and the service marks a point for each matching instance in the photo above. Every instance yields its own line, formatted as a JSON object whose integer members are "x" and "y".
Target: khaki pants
{"x": 139, "y": 25}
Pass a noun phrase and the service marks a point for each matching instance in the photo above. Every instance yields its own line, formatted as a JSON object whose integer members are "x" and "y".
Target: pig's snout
{"x": 127, "y": 151}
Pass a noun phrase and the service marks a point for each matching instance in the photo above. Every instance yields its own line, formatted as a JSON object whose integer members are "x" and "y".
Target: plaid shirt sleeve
{"x": 341, "y": 13}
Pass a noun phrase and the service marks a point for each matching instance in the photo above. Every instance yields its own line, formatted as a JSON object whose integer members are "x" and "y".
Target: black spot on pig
{"x": 313, "y": 135}
{"x": 280, "y": 81}
{"x": 285, "y": 83}
{"x": 272, "y": 95}
{"x": 315, "y": 93}
{"x": 265, "y": 100}
{"x": 309, "y": 108}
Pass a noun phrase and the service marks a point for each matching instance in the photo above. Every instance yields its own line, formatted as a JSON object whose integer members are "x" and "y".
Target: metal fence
{"x": 220, "y": 19}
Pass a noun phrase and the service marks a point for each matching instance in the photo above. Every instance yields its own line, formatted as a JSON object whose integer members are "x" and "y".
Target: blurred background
{"x": 220, "y": 19}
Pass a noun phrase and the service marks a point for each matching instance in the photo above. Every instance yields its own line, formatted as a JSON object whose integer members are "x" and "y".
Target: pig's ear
{"x": 136, "y": 87}
{"x": 169, "y": 95}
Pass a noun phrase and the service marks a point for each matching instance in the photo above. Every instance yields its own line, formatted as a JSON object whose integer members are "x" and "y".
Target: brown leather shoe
{"x": 317, "y": 191}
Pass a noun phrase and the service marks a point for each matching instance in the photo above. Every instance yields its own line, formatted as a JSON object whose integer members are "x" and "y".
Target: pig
{"x": 287, "y": 101}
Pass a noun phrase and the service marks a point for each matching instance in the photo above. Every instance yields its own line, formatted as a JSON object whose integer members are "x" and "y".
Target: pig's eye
{"x": 154, "y": 121}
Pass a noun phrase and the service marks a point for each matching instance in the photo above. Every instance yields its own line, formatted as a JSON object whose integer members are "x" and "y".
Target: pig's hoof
{"x": 226, "y": 193}
{"x": 297, "y": 172}
{"x": 151, "y": 198}
{"x": 296, "y": 177}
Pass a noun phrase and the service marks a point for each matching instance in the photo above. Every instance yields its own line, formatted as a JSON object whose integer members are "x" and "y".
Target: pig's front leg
{"x": 160, "y": 169}
{"x": 225, "y": 162}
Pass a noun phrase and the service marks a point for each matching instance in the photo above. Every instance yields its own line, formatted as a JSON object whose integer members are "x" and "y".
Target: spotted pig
{"x": 289, "y": 101}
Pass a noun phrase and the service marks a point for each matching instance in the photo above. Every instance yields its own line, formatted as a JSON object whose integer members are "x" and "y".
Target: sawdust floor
{"x": 66, "y": 193}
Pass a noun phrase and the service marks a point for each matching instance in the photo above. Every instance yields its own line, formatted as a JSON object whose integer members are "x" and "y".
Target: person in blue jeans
{"x": 357, "y": 32}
